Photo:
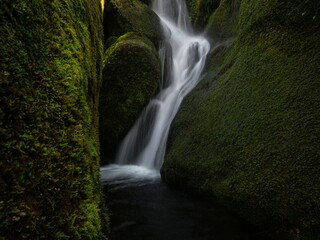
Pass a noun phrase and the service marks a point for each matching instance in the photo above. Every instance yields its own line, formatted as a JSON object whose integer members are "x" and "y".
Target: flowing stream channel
{"x": 143, "y": 207}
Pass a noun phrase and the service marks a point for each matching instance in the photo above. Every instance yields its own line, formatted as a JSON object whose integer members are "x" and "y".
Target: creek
{"x": 183, "y": 56}
{"x": 143, "y": 207}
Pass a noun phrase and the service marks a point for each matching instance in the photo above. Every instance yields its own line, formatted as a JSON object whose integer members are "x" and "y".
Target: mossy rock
{"x": 50, "y": 74}
{"x": 217, "y": 18}
{"x": 201, "y": 10}
{"x": 249, "y": 134}
{"x": 222, "y": 23}
{"x": 123, "y": 16}
{"x": 130, "y": 78}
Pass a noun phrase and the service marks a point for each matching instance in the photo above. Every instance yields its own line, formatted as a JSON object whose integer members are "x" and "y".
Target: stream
{"x": 142, "y": 207}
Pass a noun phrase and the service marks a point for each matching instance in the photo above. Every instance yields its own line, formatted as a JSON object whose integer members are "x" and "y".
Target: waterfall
{"x": 183, "y": 56}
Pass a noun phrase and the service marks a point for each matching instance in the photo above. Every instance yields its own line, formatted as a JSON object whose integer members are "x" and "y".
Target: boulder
{"x": 130, "y": 78}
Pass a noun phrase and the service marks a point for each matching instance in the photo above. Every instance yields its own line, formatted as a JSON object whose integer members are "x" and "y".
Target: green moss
{"x": 132, "y": 69}
{"x": 131, "y": 74}
{"x": 249, "y": 134}
{"x": 200, "y": 11}
{"x": 218, "y": 18}
{"x": 222, "y": 23}
{"x": 122, "y": 16}
{"x": 50, "y": 76}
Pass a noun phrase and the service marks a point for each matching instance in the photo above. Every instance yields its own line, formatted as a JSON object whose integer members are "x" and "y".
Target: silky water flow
{"x": 183, "y": 56}
{"x": 142, "y": 206}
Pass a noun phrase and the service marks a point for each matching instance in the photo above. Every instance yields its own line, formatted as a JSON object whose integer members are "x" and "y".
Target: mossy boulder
{"x": 249, "y": 134}
{"x": 222, "y": 23}
{"x": 201, "y": 10}
{"x": 50, "y": 75}
{"x": 123, "y": 16}
{"x": 217, "y": 18}
{"x": 130, "y": 78}
{"x": 132, "y": 69}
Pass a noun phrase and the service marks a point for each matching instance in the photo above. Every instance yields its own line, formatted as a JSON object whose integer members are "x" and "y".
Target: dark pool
{"x": 144, "y": 208}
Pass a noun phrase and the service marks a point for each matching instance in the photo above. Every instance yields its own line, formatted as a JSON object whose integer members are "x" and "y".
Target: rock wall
{"x": 248, "y": 135}
{"x": 51, "y": 67}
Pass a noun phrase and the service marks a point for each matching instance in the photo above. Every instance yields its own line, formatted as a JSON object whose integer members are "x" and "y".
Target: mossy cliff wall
{"x": 51, "y": 67}
{"x": 249, "y": 134}
{"x": 131, "y": 69}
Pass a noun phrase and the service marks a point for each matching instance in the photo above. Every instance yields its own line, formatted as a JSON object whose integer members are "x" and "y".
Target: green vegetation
{"x": 200, "y": 11}
{"x": 218, "y": 18}
{"x": 249, "y": 134}
{"x": 131, "y": 69}
{"x": 130, "y": 77}
{"x": 222, "y": 23}
{"x": 51, "y": 67}
{"x": 123, "y": 16}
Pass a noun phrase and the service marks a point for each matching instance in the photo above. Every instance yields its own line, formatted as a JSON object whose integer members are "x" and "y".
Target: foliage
{"x": 51, "y": 57}
{"x": 249, "y": 134}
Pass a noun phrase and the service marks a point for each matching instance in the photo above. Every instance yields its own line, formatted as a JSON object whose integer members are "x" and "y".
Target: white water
{"x": 122, "y": 176}
{"x": 183, "y": 57}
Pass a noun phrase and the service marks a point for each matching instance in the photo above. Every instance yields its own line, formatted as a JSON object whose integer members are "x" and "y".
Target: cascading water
{"x": 183, "y": 56}
{"x": 142, "y": 206}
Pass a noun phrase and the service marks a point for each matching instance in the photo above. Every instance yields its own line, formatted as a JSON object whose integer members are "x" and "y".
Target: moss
{"x": 200, "y": 11}
{"x": 123, "y": 16}
{"x": 222, "y": 23}
{"x": 217, "y": 18}
{"x": 249, "y": 134}
{"x": 131, "y": 74}
{"x": 51, "y": 66}
{"x": 132, "y": 69}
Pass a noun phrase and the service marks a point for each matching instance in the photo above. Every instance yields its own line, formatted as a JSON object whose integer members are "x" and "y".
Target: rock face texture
{"x": 131, "y": 69}
{"x": 249, "y": 134}
{"x": 51, "y": 67}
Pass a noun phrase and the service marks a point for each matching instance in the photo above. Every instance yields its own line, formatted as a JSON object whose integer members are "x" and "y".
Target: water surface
{"x": 144, "y": 208}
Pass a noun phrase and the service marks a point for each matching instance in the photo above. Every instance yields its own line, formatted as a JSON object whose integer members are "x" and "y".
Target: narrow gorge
{"x": 160, "y": 119}
{"x": 247, "y": 136}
